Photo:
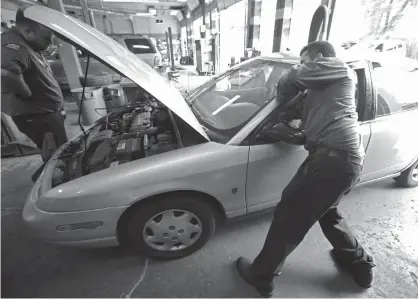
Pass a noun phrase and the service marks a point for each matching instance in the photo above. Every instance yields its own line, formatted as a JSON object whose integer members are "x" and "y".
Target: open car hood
{"x": 110, "y": 52}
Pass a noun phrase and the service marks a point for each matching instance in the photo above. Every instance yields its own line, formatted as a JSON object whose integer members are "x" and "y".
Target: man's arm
{"x": 14, "y": 61}
{"x": 15, "y": 83}
{"x": 321, "y": 73}
{"x": 288, "y": 88}
{"x": 290, "y": 96}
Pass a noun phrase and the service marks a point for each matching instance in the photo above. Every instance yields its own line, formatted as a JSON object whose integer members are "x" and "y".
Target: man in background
{"x": 34, "y": 98}
{"x": 333, "y": 167}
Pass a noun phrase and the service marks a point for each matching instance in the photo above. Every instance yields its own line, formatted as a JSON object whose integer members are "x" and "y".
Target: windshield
{"x": 225, "y": 104}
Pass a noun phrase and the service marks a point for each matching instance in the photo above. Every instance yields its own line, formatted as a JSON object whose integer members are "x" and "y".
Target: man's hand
{"x": 15, "y": 84}
{"x": 297, "y": 100}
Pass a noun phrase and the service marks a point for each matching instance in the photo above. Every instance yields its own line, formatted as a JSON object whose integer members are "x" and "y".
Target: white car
{"x": 385, "y": 47}
{"x": 160, "y": 173}
{"x": 142, "y": 46}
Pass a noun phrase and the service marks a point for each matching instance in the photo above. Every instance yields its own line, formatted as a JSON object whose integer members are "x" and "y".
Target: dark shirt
{"x": 19, "y": 58}
{"x": 329, "y": 115}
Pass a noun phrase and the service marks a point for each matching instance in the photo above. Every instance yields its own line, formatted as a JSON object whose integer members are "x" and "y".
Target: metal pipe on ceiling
{"x": 97, "y": 10}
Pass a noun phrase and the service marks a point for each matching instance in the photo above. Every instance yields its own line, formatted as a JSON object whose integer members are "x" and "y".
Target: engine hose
{"x": 176, "y": 129}
{"x": 139, "y": 134}
{"x": 319, "y": 24}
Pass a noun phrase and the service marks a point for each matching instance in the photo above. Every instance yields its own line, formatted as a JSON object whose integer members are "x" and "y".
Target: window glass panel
{"x": 394, "y": 90}
{"x": 226, "y": 103}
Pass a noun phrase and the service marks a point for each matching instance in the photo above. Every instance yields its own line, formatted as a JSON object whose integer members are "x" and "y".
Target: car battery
{"x": 129, "y": 149}
{"x": 99, "y": 157}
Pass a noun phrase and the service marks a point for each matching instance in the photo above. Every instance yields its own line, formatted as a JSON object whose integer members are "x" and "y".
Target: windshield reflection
{"x": 227, "y": 103}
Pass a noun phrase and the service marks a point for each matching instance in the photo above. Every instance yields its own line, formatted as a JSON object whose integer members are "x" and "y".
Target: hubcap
{"x": 172, "y": 230}
{"x": 415, "y": 174}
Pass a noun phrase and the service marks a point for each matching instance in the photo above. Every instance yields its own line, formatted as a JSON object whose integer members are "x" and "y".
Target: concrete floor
{"x": 384, "y": 218}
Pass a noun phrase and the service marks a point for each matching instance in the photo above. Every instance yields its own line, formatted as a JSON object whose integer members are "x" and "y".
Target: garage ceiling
{"x": 163, "y": 7}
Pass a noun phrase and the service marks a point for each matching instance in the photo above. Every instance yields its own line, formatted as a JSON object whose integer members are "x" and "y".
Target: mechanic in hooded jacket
{"x": 35, "y": 100}
{"x": 332, "y": 168}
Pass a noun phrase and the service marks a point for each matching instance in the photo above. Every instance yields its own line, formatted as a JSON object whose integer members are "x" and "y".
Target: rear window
{"x": 140, "y": 46}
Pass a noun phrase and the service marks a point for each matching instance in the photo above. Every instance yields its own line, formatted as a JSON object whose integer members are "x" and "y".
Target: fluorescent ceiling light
{"x": 182, "y": 0}
{"x": 144, "y": 14}
{"x": 173, "y": 13}
{"x": 132, "y": 1}
{"x": 152, "y": 11}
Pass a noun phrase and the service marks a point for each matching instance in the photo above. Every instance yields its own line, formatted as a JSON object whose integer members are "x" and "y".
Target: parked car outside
{"x": 347, "y": 45}
{"x": 162, "y": 172}
{"x": 384, "y": 47}
{"x": 142, "y": 46}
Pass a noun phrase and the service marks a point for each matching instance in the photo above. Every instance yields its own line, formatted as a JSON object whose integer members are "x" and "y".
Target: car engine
{"x": 128, "y": 134}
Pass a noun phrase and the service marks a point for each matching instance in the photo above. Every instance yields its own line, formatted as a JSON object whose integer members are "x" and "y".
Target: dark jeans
{"x": 35, "y": 127}
{"x": 311, "y": 196}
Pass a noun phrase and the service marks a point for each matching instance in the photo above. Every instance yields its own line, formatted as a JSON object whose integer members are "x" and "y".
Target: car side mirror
{"x": 282, "y": 132}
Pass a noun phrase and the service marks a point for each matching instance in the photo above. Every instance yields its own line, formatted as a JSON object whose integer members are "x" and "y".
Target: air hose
{"x": 319, "y": 24}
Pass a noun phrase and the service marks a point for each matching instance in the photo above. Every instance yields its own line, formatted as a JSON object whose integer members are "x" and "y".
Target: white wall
{"x": 149, "y": 26}
{"x": 267, "y": 22}
{"x": 8, "y": 10}
{"x": 232, "y": 31}
{"x": 302, "y": 14}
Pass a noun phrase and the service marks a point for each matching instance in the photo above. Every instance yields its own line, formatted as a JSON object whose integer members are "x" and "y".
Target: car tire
{"x": 146, "y": 222}
{"x": 409, "y": 177}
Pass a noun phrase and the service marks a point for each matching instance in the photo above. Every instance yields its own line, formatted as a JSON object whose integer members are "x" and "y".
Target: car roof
{"x": 347, "y": 57}
{"x": 281, "y": 57}
{"x": 294, "y": 59}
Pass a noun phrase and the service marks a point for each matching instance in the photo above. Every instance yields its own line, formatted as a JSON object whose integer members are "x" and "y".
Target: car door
{"x": 364, "y": 103}
{"x": 393, "y": 143}
{"x": 272, "y": 166}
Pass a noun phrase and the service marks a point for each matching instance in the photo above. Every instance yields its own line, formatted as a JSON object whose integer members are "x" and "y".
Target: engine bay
{"x": 129, "y": 133}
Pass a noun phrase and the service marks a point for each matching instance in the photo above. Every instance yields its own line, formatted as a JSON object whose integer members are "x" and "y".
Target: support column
{"x": 68, "y": 54}
{"x": 284, "y": 10}
{"x": 332, "y": 5}
{"x": 88, "y": 18}
{"x": 189, "y": 29}
{"x": 254, "y": 21}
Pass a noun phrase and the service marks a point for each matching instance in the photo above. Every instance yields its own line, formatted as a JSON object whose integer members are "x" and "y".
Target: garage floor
{"x": 384, "y": 218}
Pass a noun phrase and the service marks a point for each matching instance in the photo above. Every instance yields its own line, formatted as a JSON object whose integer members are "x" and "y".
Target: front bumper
{"x": 45, "y": 224}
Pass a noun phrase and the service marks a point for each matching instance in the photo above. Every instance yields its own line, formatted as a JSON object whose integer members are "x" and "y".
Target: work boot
{"x": 264, "y": 286}
{"x": 360, "y": 270}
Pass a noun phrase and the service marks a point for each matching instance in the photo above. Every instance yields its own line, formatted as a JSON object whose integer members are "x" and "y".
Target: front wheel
{"x": 409, "y": 177}
{"x": 171, "y": 227}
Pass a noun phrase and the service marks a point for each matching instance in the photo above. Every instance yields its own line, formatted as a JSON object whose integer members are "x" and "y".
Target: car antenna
{"x": 82, "y": 100}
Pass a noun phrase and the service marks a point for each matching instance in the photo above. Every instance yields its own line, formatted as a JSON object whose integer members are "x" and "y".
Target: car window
{"x": 379, "y": 48}
{"x": 245, "y": 79}
{"x": 140, "y": 46}
{"x": 394, "y": 90}
{"x": 228, "y": 102}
